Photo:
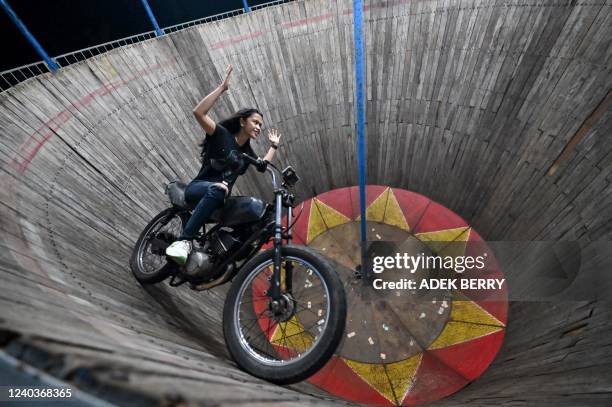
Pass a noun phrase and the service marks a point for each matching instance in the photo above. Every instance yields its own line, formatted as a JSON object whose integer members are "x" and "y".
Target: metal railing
{"x": 12, "y": 77}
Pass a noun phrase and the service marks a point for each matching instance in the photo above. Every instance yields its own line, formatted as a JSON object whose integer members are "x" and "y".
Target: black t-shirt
{"x": 221, "y": 157}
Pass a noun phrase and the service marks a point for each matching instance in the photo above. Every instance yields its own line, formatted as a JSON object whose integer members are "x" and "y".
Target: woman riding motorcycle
{"x": 221, "y": 163}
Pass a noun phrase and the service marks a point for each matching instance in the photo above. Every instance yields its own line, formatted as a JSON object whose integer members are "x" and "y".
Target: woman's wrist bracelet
{"x": 274, "y": 146}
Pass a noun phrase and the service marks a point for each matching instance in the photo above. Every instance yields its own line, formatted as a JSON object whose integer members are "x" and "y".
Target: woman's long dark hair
{"x": 232, "y": 123}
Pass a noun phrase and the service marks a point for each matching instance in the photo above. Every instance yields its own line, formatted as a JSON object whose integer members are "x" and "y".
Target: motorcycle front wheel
{"x": 148, "y": 261}
{"x": 287, "y": 342}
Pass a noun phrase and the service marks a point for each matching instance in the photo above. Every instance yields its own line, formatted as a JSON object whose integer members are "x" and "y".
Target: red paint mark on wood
{"x": 45, "y": 132}
{"x": 309, "y": 20}
{"x": 237, "y": 39}
{"x": 582, "y": 131}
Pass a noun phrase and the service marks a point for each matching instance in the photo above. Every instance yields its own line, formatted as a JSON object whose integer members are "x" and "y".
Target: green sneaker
{"x": 179, "y": 251}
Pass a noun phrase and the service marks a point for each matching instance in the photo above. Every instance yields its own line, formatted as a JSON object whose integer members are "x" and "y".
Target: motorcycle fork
{"x": 275, "y": 290}
{"x": 282, "y": 277}
{"x": 288, "y": 272}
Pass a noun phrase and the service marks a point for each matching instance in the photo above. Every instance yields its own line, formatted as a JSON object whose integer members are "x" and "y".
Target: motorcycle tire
{"x": 136, "y": 260}
{"x": 325, "y": 342}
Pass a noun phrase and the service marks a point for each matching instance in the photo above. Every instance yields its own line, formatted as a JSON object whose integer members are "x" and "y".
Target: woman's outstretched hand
{"x": 225, "y": 84}
{"x": 274, "y": 136}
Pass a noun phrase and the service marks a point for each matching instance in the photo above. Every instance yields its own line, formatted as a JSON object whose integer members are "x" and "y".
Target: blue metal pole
{"x": 158, "y": 31}
{"x": 360, "y": 104}
{"x": 24, "y": 30}
{"x": 245, "y": 4}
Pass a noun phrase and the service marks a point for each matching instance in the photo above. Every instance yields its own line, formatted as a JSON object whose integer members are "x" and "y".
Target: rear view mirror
{"x": 290, "y": 178}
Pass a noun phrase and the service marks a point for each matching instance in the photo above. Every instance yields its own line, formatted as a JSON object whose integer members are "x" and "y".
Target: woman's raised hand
{"x": 274, "y": 136}
{"x": 225, "y": 83}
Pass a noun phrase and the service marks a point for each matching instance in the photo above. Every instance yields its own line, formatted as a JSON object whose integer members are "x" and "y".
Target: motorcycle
{"x": 285, "y": 312}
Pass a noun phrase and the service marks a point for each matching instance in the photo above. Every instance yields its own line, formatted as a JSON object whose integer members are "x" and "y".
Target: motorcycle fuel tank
{"x": 240, "y": 209}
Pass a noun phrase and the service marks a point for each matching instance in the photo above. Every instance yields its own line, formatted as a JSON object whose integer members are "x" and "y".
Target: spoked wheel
{"x": 148, "y": 261}
{"x": 288, "y": 340}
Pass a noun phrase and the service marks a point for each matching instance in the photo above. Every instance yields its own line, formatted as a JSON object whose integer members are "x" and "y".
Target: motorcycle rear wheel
{"x": 148, "y": 261}
{"x": 289, "y": 346}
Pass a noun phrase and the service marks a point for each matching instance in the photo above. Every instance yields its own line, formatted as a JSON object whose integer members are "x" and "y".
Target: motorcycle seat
{"x": 249, "y": 207}
{"x": 176, "y": 193}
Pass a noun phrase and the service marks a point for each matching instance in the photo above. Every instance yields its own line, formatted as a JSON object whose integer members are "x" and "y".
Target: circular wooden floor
{"x": 402, "y": 347}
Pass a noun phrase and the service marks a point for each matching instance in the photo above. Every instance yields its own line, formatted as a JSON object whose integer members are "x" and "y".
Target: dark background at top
{"x": 61, "y": 26}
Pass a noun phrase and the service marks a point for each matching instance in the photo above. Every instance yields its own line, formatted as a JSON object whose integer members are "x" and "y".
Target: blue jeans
{"x": 207, "y": 198}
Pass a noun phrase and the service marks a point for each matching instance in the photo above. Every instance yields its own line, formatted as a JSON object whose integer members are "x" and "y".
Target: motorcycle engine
{"x": 198, "y": 264}
{"x": 201, "y": 260}
{"x": 222, "y": 242}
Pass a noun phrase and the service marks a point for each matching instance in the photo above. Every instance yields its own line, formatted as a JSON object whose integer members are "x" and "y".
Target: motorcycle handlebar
{"x": 262, "y": 166}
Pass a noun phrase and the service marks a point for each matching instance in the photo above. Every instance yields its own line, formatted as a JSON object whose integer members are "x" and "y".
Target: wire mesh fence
{"x": 12, "y": 77}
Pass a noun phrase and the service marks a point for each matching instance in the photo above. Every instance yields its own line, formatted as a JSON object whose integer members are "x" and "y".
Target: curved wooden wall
{"x": 470, "y": 102}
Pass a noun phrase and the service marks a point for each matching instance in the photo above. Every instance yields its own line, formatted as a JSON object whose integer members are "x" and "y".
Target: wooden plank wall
{"x": 469, "y": 102}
